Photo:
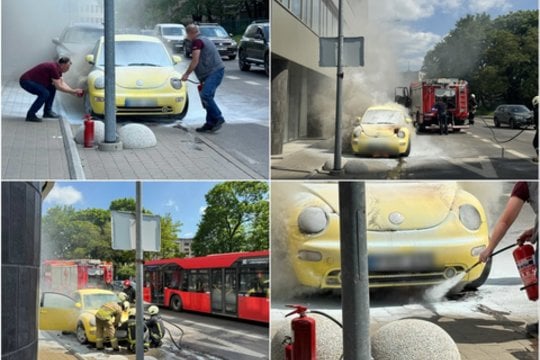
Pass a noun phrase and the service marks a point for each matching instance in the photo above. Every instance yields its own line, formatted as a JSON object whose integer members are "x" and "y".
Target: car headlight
{"x": 312, "y": 220}
{"x": 470, "y": 217}
{"x": 308, "y": 255}
{"x": 233, "y": 43}
{"x": 92, "y": 321}
{"x": 176, "y": 83}
{"x": 100, "y": 82}
{"x": 401, "y": 134}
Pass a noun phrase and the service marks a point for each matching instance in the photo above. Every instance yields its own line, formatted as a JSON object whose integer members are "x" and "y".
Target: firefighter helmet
{"x": 153, "y": 310}
{"x": 535, "y": 101}
{"x": 127, "y": 283}
{"x": 125, "y": 305}
{"x": 122, "y": 296}
{"x": 473, "y": 96}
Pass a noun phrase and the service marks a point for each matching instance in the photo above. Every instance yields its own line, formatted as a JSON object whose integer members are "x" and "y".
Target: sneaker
{"x": 204, "y": 128}
{"x": 532, "y": 330}
{"x": 33, "y": 118}
{"x": 218, "y": 125}
{"x": 51, "y": 115}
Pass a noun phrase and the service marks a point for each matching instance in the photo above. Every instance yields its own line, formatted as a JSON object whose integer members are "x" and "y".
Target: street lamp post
{"x": 339, "y": 87}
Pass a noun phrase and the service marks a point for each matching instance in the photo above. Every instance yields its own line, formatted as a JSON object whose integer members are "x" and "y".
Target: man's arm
{"x": 61, "y": 85}
{"x": 195, "y": 56}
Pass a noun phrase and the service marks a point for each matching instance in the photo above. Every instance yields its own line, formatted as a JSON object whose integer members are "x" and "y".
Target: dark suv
{"x": 215, "y": 32}
{"x": 254, "y": 46}
{"x": 515, "y": 116}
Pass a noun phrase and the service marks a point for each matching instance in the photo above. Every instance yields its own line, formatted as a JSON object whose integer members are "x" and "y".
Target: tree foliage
{"x": 235, "y": 219}
{"x": 499, "y": 57}
{"x": 79, "y": 234}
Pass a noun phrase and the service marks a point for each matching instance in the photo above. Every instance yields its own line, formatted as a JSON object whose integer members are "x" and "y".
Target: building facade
{"x": 303, "y": 93}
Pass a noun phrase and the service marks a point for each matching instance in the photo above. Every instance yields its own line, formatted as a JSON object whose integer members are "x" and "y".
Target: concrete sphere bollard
{"x": 412, "y": 339}
{"x": 329, "y": 338}
{"x": 137, "y": 136}
{"x": 99, "y": 133}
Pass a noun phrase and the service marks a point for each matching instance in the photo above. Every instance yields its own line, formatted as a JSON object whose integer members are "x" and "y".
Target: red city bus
{"x": 232, "y": 284}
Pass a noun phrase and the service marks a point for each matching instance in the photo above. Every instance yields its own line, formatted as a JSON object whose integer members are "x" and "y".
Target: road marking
{"x": 232, "y": 77}
{"x": 252, "y": 83}
{"x": 517, "y": 154}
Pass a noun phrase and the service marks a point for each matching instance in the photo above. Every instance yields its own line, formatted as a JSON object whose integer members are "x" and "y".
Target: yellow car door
{"x": 58, "y": 312}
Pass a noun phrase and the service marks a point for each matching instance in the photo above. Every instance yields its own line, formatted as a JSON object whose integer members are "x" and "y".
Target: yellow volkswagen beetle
{"x": 75, "y": 314}
{"x": 418, "y": 233}
{"x": 146, "y": 81}
{"x": 383, "y": 131}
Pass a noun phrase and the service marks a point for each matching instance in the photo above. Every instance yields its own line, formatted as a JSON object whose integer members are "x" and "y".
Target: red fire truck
{"x": 66, "y": 276}
{"x": 421, "y": 96}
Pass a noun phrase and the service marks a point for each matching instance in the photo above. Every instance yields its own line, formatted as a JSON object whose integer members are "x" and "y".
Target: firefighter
{"x": 108, "y": 317}
{"x": 155, "y": 327}
{"x": 441, "y": 107}
{"x": 129, "y": 291}
{"x": 473, "y": 105}
{"x": 132, "y": 332}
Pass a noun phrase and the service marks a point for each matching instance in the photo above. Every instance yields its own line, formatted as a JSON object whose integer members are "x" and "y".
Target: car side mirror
{"x": 78, "y": 305}
{"x": 176, "y": 59}
{"x": 90, "y": 59}
{"x": 358, "y": 120}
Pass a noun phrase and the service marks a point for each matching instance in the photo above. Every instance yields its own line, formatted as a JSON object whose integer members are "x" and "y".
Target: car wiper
{"x": 142, "y": 64}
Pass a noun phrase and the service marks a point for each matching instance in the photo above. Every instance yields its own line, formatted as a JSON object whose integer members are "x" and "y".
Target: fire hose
{"x": 495, "y": 137}
{"x": 171, "y": 336}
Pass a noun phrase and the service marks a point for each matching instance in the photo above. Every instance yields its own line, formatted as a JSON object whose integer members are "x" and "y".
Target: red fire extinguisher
{"x": 524, "y": 257}
{"x": 303, "y": 345}
{"x": 88, "y": 131}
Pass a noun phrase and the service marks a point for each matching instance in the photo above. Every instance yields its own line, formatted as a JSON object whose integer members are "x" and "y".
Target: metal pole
{"x": 139, "y": 262}
{"x": 354, "y": 271}
{"x": 110, "y": 76}
{"x": 337, "y": 143}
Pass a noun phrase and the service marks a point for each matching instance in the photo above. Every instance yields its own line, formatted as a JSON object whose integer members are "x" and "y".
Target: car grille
{"x": 121, "y": 110}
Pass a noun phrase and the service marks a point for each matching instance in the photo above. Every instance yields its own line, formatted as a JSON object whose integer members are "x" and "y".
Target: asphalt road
{"x": 244, "y": 101}
{"x": 496, "y": 313}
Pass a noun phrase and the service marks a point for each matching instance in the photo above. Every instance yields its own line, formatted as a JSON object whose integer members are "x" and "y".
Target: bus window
{"x": 185, "y": 280}
{"x": 254, "y": 282}
{"x": 198, "y": 281}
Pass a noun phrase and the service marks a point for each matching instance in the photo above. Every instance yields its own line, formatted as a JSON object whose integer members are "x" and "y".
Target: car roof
{"x": 94, "y": 291}
{"x": 170, "y": 25}
{"x": 134, "y": 37}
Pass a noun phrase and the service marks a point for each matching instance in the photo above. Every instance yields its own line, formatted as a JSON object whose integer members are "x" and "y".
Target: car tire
{"x": 232, "y": 57}
{"x": 242, "y": 64}
{"x": 408, "y": 151}
{"x": 512, "y": 124}
{"x": 474, "y": 285}
{"x": 266, "y": 65}
{"x": 497, "y": 122}
{"x": 81, "y": 334}
{"x": 176, "y": 303}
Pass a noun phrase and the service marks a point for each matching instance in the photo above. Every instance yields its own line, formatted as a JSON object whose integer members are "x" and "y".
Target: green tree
{"x": 235, "y": 219}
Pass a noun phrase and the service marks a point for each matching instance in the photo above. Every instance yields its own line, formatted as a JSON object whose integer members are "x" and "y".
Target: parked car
{"x": 77, "y": 39}
{"x": 146, "y": 81}
{"x": 172, "y": 35}
{"x": 74, "y": 314}
{"x": 383, "y": 130}
{"x": 515, "y": 116}
{"x": 254, "y": 46}
{"x": 223, "y": 41}
{"x": 417, "y": 233}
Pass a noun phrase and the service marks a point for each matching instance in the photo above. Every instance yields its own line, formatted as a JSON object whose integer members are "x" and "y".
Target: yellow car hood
{"x": 398, "y": 205}
{"x": 378, "y": 130}
{"x": 138, "y": 77}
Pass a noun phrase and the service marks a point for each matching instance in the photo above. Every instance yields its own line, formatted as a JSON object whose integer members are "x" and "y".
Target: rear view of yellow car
{"x": 146, "y": 81}
{"x": 383, "y": 131}
{"x": 75, "y": 314}
{"x": 418, "y": 233}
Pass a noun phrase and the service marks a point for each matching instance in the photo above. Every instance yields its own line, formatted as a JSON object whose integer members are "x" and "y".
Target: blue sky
{"x": 415, "y": 26}
{"x": 183, "y": 200}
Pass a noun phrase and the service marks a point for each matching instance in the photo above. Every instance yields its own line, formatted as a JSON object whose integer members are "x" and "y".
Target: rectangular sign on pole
{"x": 123, "y": 231}
{"x": 353, "y": 51}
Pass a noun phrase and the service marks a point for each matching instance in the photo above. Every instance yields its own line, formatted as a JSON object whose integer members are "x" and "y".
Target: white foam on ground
{"x": 437, "y": 292}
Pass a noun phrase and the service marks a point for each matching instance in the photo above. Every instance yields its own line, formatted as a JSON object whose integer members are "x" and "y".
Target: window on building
{"x": 315, "y": 15}
{"x": 296, "y": 8}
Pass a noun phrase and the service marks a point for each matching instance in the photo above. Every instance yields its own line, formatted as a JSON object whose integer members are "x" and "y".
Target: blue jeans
{"x": 210, "y": 84}
{"x": 45, "y": 95}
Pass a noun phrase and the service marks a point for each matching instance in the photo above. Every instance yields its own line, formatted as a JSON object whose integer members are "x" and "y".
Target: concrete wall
{"x": 21, "y": 234}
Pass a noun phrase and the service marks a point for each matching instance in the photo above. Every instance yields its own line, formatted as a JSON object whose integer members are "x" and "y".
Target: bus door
{"x": 224, "y": 291}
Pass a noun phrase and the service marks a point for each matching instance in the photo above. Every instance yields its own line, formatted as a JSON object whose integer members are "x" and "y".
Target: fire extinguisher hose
{"x": 327, "y": 316}
{"x": 492, "y": 255}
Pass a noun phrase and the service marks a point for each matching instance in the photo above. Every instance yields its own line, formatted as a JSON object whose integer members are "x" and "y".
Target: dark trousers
{"x": 443, "y": 124}
{"x": 210, "y": 85}
{"x": 45, "y": 95}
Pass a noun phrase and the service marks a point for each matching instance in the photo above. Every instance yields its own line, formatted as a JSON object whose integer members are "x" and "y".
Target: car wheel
{"x": 81, "y": 334}
{"x": 266, "y": 65}
{"x": 408, "y": 151}
{"x": 232, "y": 57}
{"x": 242, "y": 64}
{"x": 512, "y": 124}
{"x": 497, "y": 122}
{"x": 176, "y": 303}
{"x": 481, "y": 280}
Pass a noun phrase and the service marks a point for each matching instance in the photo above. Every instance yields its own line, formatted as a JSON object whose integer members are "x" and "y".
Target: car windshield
{"x": 95, "y": 301}
{"x": 138, "y": 53}
{"x": 519, "y": 109}
{"x": 173, "y": 30}
{"x": 213, "y": 32}
{"x": 82, "y": 35}
{"x": 382, "y": 117}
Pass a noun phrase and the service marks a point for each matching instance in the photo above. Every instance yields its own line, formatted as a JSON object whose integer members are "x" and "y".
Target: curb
{"x": 76, "y": 171}
{"x": 223, "y": 153}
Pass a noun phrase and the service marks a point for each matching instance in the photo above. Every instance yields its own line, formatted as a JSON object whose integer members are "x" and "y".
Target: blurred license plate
{"x": 141, "y": 102}
{"x": 397, "y": 262}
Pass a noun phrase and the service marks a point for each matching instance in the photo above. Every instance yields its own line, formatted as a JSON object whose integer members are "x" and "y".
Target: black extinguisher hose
{"x": 492, "y": 255}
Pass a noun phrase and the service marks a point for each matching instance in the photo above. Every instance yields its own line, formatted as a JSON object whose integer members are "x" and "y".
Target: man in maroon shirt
{"x": 43, "y": 80}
